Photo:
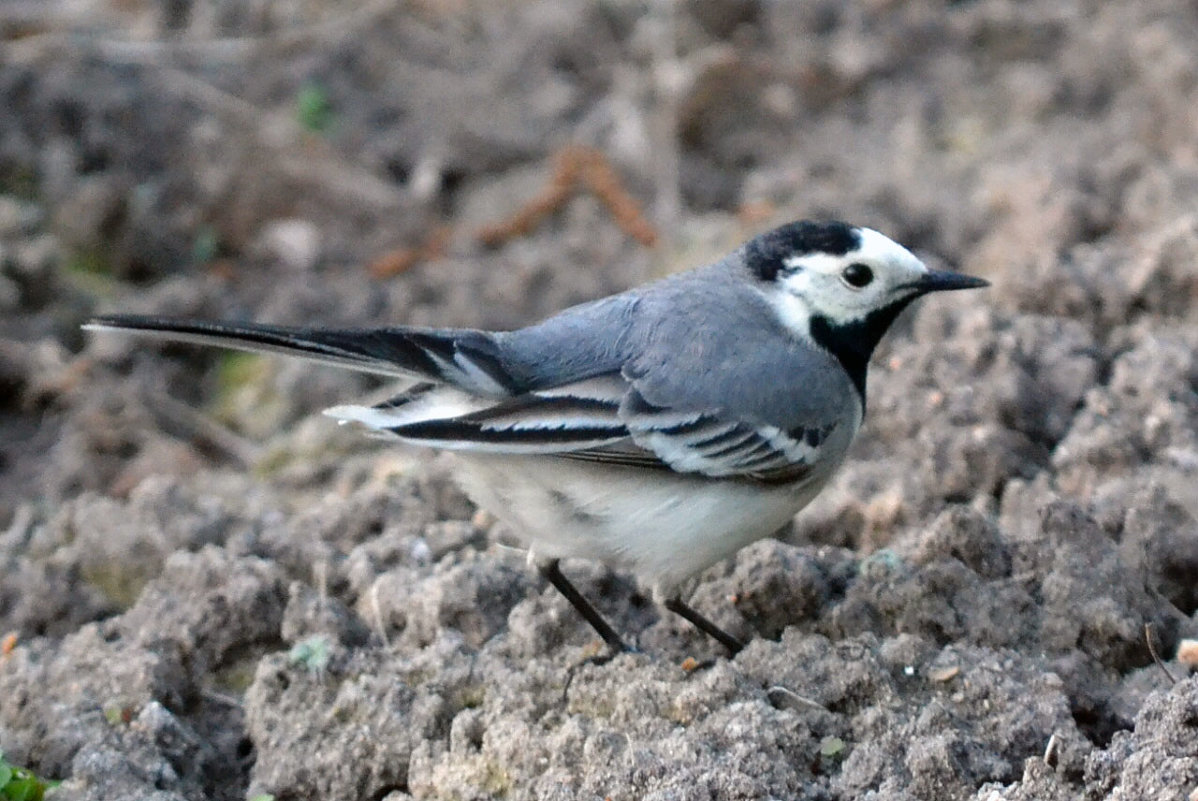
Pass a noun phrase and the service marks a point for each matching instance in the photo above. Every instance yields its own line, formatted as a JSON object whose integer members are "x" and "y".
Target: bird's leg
{"x": 553, "y": 574}
{"x": 678, "y": 606}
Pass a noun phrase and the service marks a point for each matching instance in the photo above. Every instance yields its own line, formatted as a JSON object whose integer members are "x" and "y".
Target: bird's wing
{"x": 718, "y": 444}
{"x": 468, "y": 359}
{"x": 604, "y": 420}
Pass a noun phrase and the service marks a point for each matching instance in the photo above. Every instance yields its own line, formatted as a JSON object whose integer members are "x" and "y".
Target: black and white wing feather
{"x": 554, "y": 421}
{"x": 716, "y": 445}
{"x": 603, "y": 420}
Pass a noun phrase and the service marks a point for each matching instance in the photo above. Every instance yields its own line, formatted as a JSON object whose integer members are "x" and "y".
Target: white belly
{"x": 662, "y": 526}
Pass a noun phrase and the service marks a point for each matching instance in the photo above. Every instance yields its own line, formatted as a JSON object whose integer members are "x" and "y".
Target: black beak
{"x": 942, "y": 281}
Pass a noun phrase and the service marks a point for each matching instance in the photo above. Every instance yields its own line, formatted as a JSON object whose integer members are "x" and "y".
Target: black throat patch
{"x": 764, "y": 254}
{"x": 853, "y": 343}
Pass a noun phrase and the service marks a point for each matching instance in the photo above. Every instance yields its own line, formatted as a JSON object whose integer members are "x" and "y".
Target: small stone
{"x": 295, "y": 243}
{"x": 944, "y": 674}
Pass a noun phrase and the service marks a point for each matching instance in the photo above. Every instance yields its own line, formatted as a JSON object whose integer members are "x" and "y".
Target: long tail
{"x": 464, "y": 358}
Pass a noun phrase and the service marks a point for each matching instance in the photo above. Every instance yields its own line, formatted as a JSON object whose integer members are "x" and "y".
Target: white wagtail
{"x": 659, "y": 430}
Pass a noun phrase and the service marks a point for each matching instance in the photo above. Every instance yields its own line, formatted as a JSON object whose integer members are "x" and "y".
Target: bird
{"x": 658, "y": 430}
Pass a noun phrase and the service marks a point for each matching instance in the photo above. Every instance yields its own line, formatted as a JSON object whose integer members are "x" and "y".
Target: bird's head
{"x": 842, "y": 285}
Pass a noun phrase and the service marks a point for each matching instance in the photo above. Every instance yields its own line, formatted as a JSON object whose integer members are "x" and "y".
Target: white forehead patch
{"x": 881, "y": 249}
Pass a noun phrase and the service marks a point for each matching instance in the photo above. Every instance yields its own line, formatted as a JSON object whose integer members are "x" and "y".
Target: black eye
{"x": 857, "y": 275}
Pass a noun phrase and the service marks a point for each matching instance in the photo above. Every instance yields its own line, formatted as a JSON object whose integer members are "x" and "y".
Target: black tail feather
{"x": 462, "y": 357}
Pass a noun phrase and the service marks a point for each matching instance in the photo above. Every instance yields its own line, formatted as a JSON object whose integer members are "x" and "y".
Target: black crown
{"x": 764, "y": 254}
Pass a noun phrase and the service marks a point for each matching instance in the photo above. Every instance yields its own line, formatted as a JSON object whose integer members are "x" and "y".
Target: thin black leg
{"x": 678, "y": 606}
{"x": 553, "y": 574}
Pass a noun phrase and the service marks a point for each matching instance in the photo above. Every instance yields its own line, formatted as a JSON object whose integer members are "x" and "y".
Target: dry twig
{"x": 575, "y": 168}
{"x": 400, "y": 260}
{"x": 1155, "y": 656}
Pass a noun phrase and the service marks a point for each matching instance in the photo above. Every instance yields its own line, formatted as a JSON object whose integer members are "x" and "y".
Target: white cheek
{"x": 843, "y": 313}
{"x": 837, "y": 302}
